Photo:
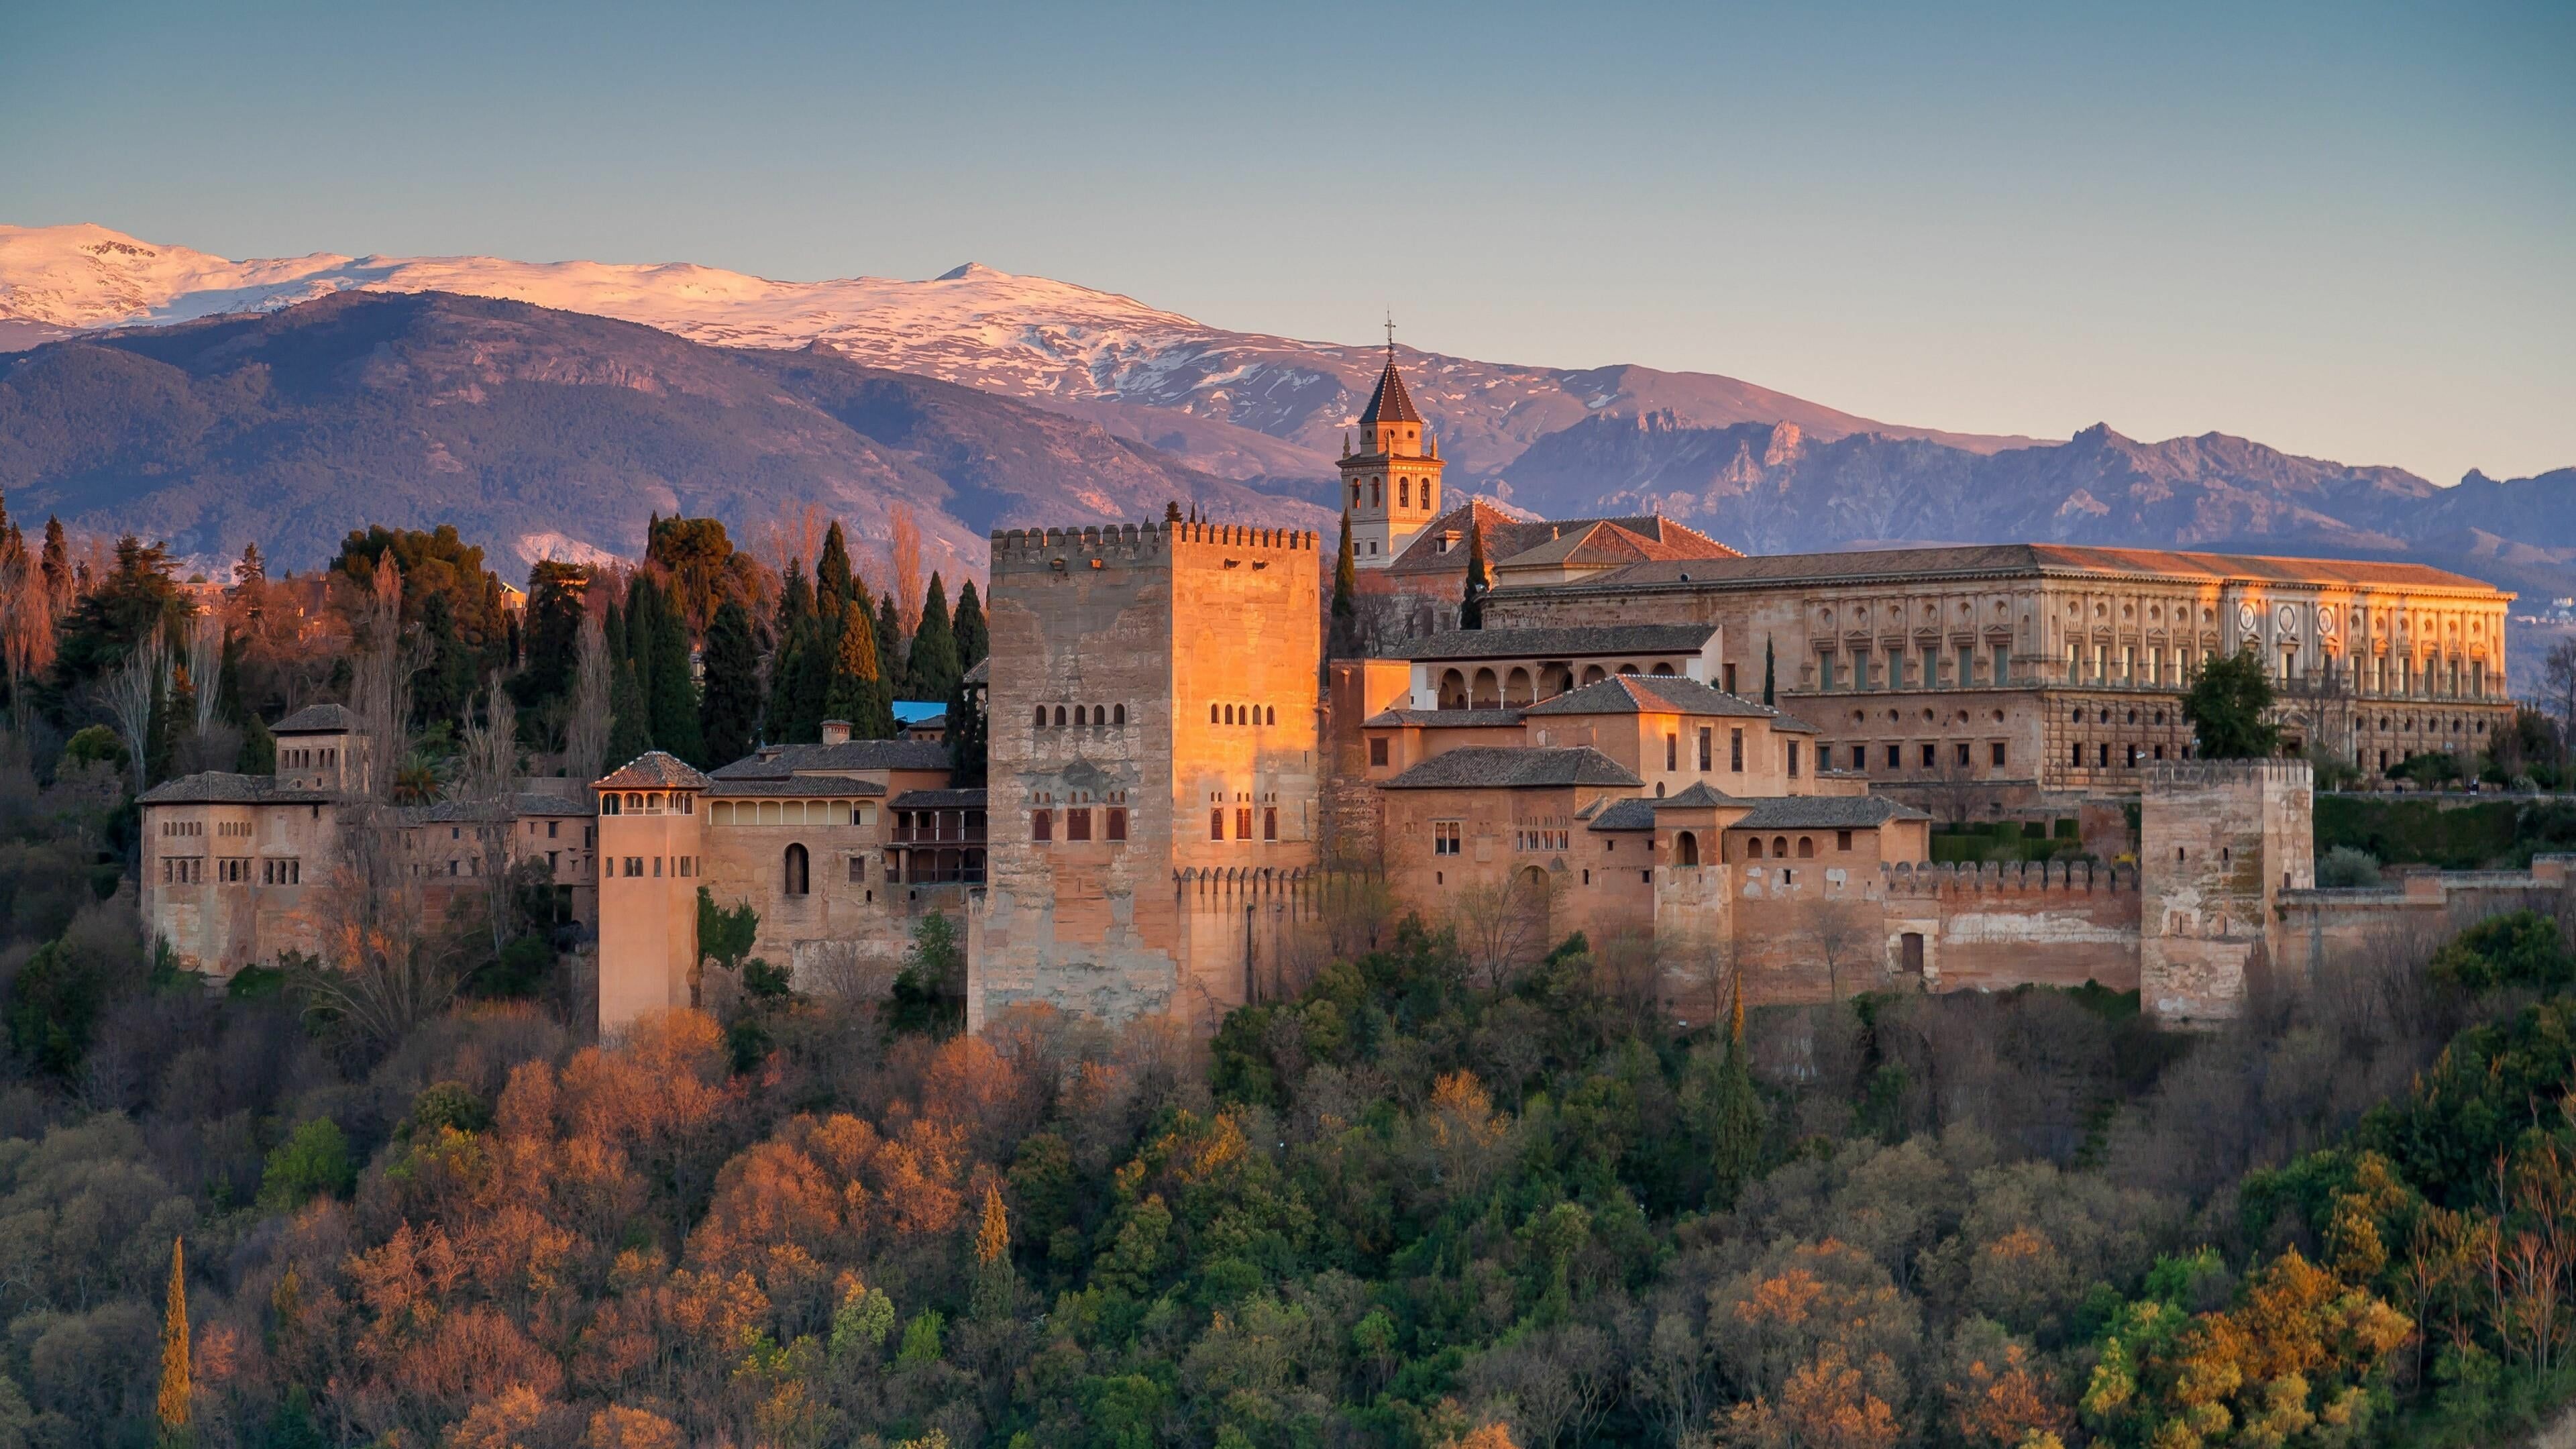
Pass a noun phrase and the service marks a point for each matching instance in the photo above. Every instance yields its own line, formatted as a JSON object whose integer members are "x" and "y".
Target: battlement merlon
{"x": 1908, "y": 880}
{"x": 2185, "y": 774}
{"x": 1035, "y": 548}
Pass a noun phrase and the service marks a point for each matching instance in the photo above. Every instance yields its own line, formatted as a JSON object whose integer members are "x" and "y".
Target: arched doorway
{"x": 1453, "y": 690}
{"x": 1686, "y": 848}
{"x": 1488, "y": 692}
{"x": 1516, "y": 687}
{"x": 795, "y": 878}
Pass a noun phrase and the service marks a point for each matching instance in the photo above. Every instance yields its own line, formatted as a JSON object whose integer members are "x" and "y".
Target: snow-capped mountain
{"x": 1236, "y": 403}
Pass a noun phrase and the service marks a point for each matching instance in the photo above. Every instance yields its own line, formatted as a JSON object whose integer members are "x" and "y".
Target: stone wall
{"x": 2320, "y": 932}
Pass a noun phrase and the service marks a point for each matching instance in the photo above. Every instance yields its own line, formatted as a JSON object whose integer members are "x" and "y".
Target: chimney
{"x": 836, "y": 732}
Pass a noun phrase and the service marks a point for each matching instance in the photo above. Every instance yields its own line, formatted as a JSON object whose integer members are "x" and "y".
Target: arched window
{"x": 1119, "y": 718}
{"x": 1686, "y": 848}
{"x": 1663, "y": 671}
{"x": 1806, "y": 847}
{"x": 1355, "y": 493}
{"x": 1099, "y": 716}
{"x": 1229, "y": 714}
{"x": 1211, "y": 714}
{"x": 634, "y": 802}
{"x": 1404, "y": 493}
{"x": 1753, "y": 848}
{"x": 1059, "y": 716}
{"x": 1780, "y": 846}
{"x": 1041, "y": 719}
{"x": 608, "y": 803}
{"x": 1270, "y": 715}
{"x": 793, "y": 877}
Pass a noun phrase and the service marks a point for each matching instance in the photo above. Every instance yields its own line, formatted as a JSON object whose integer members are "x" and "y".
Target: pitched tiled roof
{"x": 1580, "y": 642}
{"x": 223, "y": 787}
{"x": 1516, "y": 542}
{"x": 654, "y": 770}
{"x": 1699, "y": 796}
{"x": 782, "y": 786}
{"x": 1445, "y": 718}
{"x": 1826, "y": 812}
{"x": 316, "y": 719}
{"x": 526, "y": 803}
{"x": 939, "y": 800}
{"x": 1503, "y": 767}
{"x": 2016, "y": 559}
{"x": 1390, "y": 403}
{"x": 1634, "y": 813}
{"x": 773, "y": 761}
{"x": 1652, "y": 694}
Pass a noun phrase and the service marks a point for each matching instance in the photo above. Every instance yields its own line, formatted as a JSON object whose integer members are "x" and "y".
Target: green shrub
{"x": 2344, "y": 868}
{"x": 310, "y": 1163}
{"x": 2520, "y": 949}
{"x": 446, "y": 1104}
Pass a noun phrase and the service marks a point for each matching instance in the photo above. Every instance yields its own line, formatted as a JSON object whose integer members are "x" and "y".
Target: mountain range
{"x": 555, "y": 405}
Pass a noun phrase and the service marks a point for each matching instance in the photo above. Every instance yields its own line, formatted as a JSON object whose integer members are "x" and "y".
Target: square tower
{"x": 2218, "y": 841}
{"x": 1152, "y": 765}
{"x": 1391, "y": 486}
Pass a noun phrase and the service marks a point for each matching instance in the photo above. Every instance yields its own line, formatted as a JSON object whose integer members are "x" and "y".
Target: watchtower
{"x": 1391, "y": 485}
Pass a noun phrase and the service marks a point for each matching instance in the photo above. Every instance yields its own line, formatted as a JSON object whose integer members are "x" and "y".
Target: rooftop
{"x": 1443, "y": 718}
{"x": 511, "y": 807}
{"x": 654, "y": 770}
{"x": 2021, "y": 559}
{"x": 223, "y": 787}
{"x": 1502, "y": 767}
{"x": 734, "y": 787}
{"x": 1659, "y": 693}
{"x": 317, "y": 719}
{"x": 1390, "y": 403}
{"x": 780, "y": 761}
{"x": 1513, "y": 542}
{"x": 939, "y": 800}
{"x": 1584, "y": 641}
{"x": 1825, "y": 812}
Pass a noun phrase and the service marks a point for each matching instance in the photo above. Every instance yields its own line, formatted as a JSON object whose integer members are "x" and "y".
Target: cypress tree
{"x": 172, "y": 1402}
{"x": 1734, "y": 1116}
{"x": 795, "y": 617}
{"x": 890, "y": 649}
{"x": 857, "y": 689}
{"x": 444, "y": 688}
{"x": 729, "y": 712}
{"x": 673, "y": 693}
{"x": 832, "y": 573}
{"x": 995, "y": 1285}
{"x": 1767, "y": 695}
{"x": 933, "y": 669}
{"x": 630, "y": 728}
{"x": 643, "y": 628}
{"x": 1471, "y": 606}
{"x": 974, "y": 641}
{"x": 1344, "y": 637}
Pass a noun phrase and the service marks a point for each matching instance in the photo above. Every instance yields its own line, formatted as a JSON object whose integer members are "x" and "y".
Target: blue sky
{"x": 2348, "y": 230}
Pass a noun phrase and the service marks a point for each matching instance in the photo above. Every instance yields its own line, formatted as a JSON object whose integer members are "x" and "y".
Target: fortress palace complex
{"x": 1728, "y": 766}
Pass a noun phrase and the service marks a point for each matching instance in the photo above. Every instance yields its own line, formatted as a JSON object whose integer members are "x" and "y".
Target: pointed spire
{"x": 1390, "y": 403}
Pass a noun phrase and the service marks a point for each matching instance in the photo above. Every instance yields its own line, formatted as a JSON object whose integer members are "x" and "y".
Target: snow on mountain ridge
{"x": 1114, "y": 359}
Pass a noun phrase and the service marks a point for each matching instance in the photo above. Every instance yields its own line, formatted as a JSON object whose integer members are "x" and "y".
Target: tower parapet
{"x": 2218, "y": 842}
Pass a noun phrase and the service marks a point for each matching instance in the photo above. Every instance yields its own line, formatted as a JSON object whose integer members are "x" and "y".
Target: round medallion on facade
{"x": 2326, "y": 622}
{"x": 2286, "y": 619}
{"x": 2246, "y": 617}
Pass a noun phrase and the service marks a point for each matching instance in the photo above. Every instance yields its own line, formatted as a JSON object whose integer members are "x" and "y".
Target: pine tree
{"x": 1471, "y": 607}
{"x": 890, "y": 648}
{"x": 252, "y": 569}
{"x": 933, "y": 668}
{"x": 729, "y": 711}
{"x": 445, "y": 685}
{"x": 995, "y": 1283}
{"x": 1768, "y": 695}
{"x": 673, "y": 692}
{"x": 974, "y": 640}
{"x": 172, "y": 1404}
{"x": 1171, "y": 511}
{"x": 1344, "y": 639}
{"x": 57, "y": 565}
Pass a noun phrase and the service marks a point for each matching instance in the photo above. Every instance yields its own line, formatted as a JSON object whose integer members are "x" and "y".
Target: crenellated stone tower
{"x": 2218, "y": 842}
{"x": 1391, "y": 485}
{"x": 1152, "y": 767}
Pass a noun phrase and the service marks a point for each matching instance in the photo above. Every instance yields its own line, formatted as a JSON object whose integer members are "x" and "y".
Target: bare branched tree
{"x": 793, "y": 538}
{"x": 1503, "y": 924}
{"x": 206, "y": 665}
{"x": 385, "y": 967}
{"x": 26, "y": 621}
{"x": 586, "y": 732}
{"x": 381, "y": 672}
{"x": 131, "y": 694}
{"x": 1846, "y": 937}
{"x": 489, "y": 784}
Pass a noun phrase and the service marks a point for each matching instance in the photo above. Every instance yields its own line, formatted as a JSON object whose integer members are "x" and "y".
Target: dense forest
{"x": 1421, "y": 1202}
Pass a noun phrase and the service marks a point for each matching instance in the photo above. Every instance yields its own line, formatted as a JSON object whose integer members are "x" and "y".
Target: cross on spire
{"x": 1390, "y": 337}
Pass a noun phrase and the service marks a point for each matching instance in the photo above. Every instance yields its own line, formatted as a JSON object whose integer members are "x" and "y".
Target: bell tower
{"x": 1391, "y": 485}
